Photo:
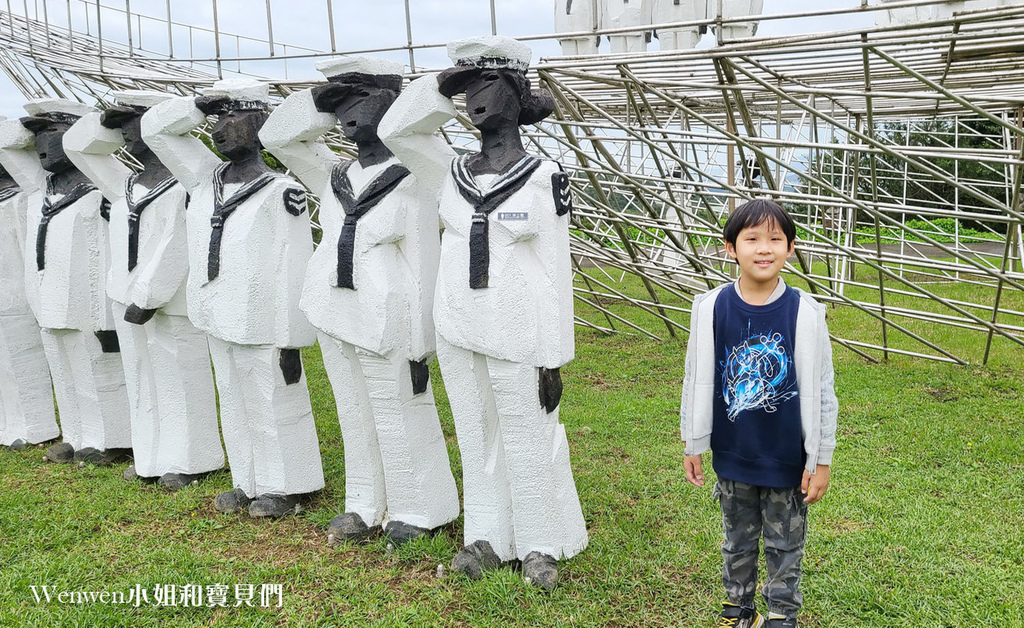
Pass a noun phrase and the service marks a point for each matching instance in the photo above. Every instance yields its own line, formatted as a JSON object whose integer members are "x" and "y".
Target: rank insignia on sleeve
{"x": 105, "y": 209}
{"x": 295, "y": 201}
{"x": 560, "y": 188}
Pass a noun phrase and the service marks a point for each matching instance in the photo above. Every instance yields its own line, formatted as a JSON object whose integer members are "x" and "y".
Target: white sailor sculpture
{"x": 66, "y": 257}
{"x": 503, "y": 305}
{"x": 624, "y": 14}
{"x": 175, "y": 436}
{"x": 249, "y": 241}
{"x": 736, "y": 8}
{"x": 668, "y": 11}
{"x": 26, "y": 393}
{"x": 369, "y": 290}
{"x": 574, "y": 16}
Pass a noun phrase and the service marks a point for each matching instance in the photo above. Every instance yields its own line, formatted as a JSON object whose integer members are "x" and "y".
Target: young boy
{"x": 758, "y": 392}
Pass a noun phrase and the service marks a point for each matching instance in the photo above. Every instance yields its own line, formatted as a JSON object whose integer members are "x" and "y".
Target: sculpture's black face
{"x": 132, "y": 132}
{"x": 236, "y": 134}
{"x": 50, "y": 148}
{"x": 362, "y": 110}
{"x": 492, "y": 102}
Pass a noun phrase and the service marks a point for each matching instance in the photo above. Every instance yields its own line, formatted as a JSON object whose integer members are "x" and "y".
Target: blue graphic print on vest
{"x": 756, "y": 437}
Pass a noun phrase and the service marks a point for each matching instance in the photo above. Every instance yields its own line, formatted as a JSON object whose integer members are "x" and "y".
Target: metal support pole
{"x": 270, "y": 29}
{"x": 330, "y": 24}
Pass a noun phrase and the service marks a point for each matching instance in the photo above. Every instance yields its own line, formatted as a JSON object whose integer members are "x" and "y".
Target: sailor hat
{"x": 490, "y": 52}
{"x": 239, "y": 95}
{"x": 131, "y": 104}
{"x": 46, "y": 112}
{"x": 345, "y": 73}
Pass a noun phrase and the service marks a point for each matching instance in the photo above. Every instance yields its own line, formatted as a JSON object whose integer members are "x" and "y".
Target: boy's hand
{"x": 694, "y": 466}
{"x": 814, "y": 486}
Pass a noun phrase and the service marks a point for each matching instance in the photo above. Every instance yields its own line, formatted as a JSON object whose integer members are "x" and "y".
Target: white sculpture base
{"x": 26, "y": 395}
{"x": 517, "y": 484}
{"x": 396, "y": 462}
{"x": 268, "y": 425}
{"x": 170, "y": 396}
{"x": 90, "y": 390}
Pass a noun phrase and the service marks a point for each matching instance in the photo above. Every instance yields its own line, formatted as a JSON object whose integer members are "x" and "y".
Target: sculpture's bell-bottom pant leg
{"x": 268, "y": 423}
{"x": 517, "y": 477}
{"x": 545, "y": 506}
{"x": 170, "y": 395}
{"x": 189, "y": 437}
{"x": 63, "y": 384}
{"x": 141, "y": 392}
{"x": 396, "y": 462}
{"x": 26, "y": 395}
{"x": 102, "y": 395}
{"x": 486, "y": 494}
{"x": 90, "y": 390}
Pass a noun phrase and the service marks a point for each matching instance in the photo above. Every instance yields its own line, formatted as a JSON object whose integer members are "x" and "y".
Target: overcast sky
{"x": 361, "y": 24}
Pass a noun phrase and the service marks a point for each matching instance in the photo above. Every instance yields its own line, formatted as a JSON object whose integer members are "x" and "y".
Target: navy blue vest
{"x": 756, "y": 437}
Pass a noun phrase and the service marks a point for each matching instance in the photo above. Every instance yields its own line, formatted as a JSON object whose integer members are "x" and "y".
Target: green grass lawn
{"x": 923, "y": 525}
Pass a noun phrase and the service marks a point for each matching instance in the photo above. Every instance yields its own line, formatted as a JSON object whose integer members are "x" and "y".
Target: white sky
{"x": 361, "y": 24}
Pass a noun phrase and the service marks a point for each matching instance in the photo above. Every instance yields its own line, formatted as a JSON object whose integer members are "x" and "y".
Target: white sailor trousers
{"x": 90, "y": 390}
{"x": 26, "y": 395}
{"x": 267, "y": 423}
{"x": 396, "y": 461}
{"x": 518, "y": 489}
{"x": 171, "y": 396}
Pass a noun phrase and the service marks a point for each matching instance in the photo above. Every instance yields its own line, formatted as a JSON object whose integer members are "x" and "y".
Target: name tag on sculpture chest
{"x": 513, "y": 216}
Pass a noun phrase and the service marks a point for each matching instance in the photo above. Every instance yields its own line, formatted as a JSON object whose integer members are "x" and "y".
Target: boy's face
{"x": 762, "y": 251}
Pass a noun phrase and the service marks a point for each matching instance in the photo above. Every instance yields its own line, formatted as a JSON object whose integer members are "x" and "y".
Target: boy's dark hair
{"x": 757, "y": 212}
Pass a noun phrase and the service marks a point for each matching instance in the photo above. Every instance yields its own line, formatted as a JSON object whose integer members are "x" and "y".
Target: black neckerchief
{"x": 505, "y": 185}
{"x": 222, "y": 209}
{"x": 135, "y": 212}
{"x": 8, "y": 193}
{"x": 357, "y": 207}
{"x": 51, "y": 209}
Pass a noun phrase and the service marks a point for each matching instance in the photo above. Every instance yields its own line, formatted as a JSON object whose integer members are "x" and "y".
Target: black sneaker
{"x": 734, "y": 616}
{"x": 779, "y": 621}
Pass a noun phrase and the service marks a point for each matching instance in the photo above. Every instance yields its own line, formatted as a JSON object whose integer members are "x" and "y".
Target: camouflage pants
{"x": 780, "y": 516}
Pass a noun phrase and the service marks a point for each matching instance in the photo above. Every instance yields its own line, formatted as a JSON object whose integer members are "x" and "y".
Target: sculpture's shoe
{"x": 61, "y": 453}
{"x": 105, "y": 458}
{"x": 131, "y": 474}
{"x": 230, "y": 502}
{"x": 273, "y": 506}
{"x": 19, "y": 445}
{"x": 176, "y": 481}
{"x": 400, "y": 533}
{"x": 348, "y": 526}
{"x": 475, "y": 559}
{"x": 540, "y": 570}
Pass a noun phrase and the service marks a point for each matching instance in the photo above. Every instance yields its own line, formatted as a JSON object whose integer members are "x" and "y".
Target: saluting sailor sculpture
{"x": 175, "y": 436}
{"x": 26, "y": 393}
{"x": 369, "y": 291}
{"x": 503, "y": 305}
{"x": 249, "y": 241}
{"x": 66, "y": 259}
{"x": 573, "y": 16}
{"x": 628, "y": 13}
